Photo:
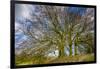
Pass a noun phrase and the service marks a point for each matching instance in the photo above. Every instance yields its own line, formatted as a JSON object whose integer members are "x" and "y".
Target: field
{"x": 65, "y": 59}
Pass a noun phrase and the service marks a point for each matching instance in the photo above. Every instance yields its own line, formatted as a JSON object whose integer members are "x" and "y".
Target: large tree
{"x": 51, "y": 28}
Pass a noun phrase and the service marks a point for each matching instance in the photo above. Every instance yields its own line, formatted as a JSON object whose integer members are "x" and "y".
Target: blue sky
{"x": 78, "y": 10}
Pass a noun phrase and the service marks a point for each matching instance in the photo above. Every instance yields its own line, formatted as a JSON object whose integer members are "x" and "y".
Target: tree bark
{"x": 61, "y": 52}
{"x": 75, "y": 50}
{"x": 70, "y": 52}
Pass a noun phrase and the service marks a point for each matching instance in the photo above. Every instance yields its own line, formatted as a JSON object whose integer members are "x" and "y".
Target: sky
{"x": 78, "y": 10}
{"x": 23, "y": 11}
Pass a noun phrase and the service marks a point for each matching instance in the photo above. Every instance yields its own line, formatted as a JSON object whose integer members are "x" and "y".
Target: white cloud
{"x": 17, "y": 25}
{"x": 25, "y": 11}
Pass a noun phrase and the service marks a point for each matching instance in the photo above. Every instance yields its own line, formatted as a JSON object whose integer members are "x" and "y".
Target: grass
{"x": 77, "y": 58}
{"x": 65, "y": 59}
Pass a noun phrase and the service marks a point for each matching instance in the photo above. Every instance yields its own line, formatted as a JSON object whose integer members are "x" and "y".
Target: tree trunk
{"x": 75, "y": 50}
{"x": 61, "y": 50}
{"x": 70, "y": 52}
{"x": 70, "y": 42}
{"x": 76, "y": 44}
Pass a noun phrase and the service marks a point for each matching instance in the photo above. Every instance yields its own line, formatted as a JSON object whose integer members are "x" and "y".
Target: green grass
{"x": 77, "y": 58}
{"x": 65, "y": 59}
{"x": 89, "y": 57}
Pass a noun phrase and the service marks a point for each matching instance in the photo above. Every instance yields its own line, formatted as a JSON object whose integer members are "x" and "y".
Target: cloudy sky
{"x": 23, "y": 11}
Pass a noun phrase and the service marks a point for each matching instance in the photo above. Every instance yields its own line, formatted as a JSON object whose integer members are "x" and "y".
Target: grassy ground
{"x": 77, "y": 58}
{"x": 65, "y": 59}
